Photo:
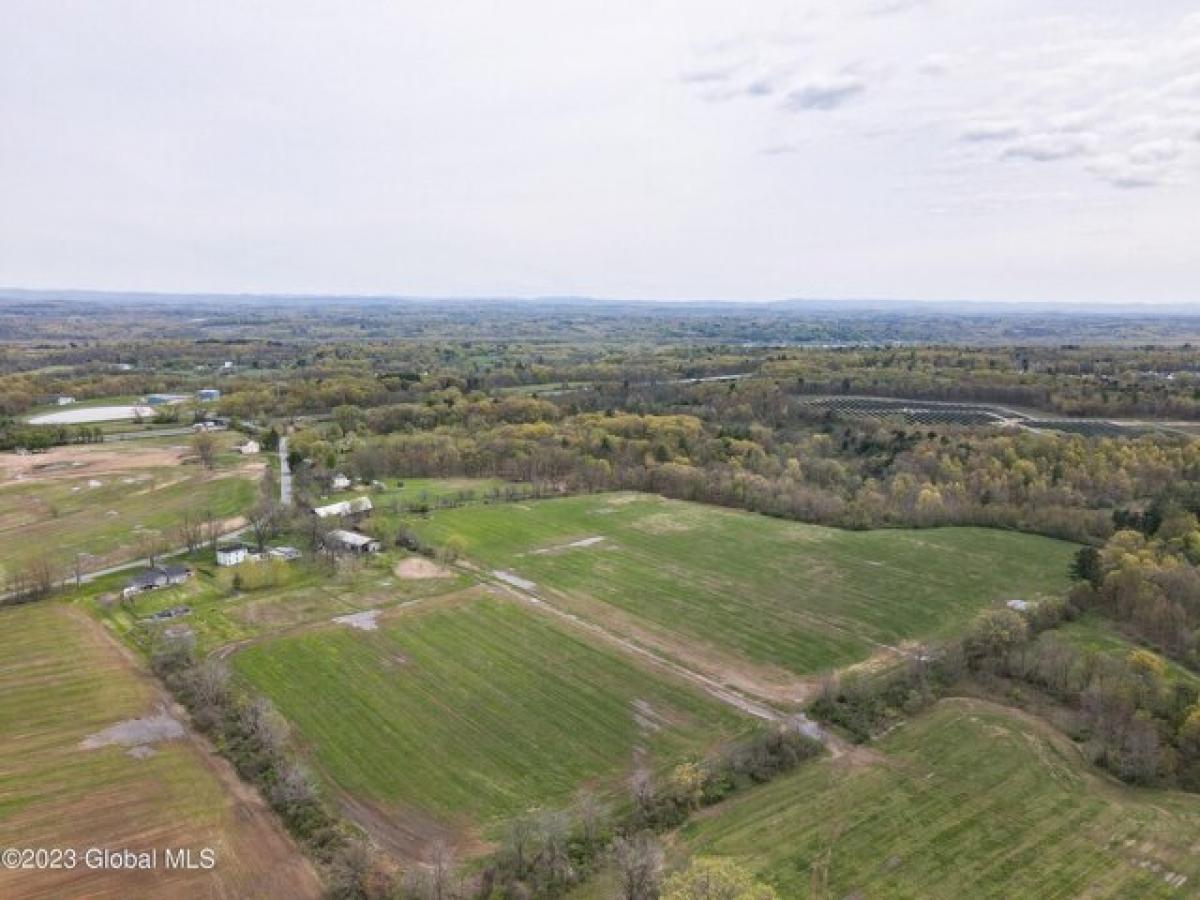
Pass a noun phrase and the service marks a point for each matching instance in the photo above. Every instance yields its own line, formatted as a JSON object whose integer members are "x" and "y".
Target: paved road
{"x": 285, "y": 475}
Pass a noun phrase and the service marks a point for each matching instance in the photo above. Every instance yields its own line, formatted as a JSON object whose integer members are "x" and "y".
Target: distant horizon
{"x": 822, "y": 303}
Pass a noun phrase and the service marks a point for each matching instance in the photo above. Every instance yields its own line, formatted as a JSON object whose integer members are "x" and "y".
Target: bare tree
{"x": 590, "y": 814}
{"x": 204, "y": 445}
{"x": 79, "y": 567}
{"x": 639, "y": 862}
{"x": 190, "y": 530}
{"x": 440, "y": 864}
{"x": 519, "y": 838}
{"x": 641, "y": 790}
{"x": 211, "y": 529}
{"x": 151, "y": 544}
{"x": 264, "y": 522}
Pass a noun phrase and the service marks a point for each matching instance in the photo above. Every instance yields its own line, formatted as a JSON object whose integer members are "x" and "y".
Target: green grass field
{"x": 801, "y": 597}
{"x": 61, "y": 680}
{"x": 475, "y": 709}
{"x": 968, "y": 800}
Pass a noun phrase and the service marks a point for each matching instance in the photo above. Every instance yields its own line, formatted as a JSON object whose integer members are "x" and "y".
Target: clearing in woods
{"x": 93, "y": 756}
{"x": 968, "y": 800}
{"x": 748, "y": 589}
{"x": 470, "y": 711}
{"x": 102, "y": 501}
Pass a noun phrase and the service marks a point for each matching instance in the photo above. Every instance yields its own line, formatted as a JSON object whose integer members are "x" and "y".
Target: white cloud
{"x": 991, "y": 131}
{"x": 822, "y": 93}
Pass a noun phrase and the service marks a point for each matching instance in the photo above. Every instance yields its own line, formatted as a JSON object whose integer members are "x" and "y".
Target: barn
{"x": 342, "y": 541}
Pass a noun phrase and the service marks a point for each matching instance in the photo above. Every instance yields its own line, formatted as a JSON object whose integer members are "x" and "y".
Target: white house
{"x": 249, "y": 448}
{"x": 358, "y": 506}
{"x": 352, "y": 542}
{"x": 231, "y": 554}
{"x": 65, "y": 401}
{"x": 339, "y": 482}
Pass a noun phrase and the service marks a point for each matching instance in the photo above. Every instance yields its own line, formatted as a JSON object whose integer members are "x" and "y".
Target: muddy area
{"x": 363, "y": 621}
{"x": 139, "y": 735}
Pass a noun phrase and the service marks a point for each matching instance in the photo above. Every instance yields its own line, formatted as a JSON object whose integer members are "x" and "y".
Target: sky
{"x": 656, "y": 149}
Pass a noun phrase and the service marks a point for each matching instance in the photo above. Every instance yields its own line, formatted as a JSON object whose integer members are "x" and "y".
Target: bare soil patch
{"x": 573, "y": 545}
{"x": 418, "y": 567}
{"x": 95, "y": 459}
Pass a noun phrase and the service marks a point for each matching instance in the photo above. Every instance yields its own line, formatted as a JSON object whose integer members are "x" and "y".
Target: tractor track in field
{"x": 714, "y": 688}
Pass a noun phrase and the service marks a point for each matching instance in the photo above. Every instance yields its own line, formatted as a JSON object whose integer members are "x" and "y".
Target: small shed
{"x": 339, "y": 482}
{"x": 249, "y": 448}
{"x": 207, "y": 395}
{"x": 288, "y": 554}
{"x": 231, "y": 554}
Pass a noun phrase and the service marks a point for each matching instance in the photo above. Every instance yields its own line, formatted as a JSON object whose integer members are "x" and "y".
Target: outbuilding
{"x": 343, "y": 541}
{"x": 231, "y": 554}
{"x": 357, "y": 506}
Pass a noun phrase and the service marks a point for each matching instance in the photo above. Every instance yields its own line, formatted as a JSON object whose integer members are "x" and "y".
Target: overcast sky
{"x": 927, "y": 149}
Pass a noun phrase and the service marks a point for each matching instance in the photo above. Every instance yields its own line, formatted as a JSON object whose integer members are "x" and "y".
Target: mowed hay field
{"x": 761, "y": 590}
{"x": 968, "y": 800}
{"x": 102, "y": 509}
{"x": 472, "y": 708}
{"x": 61, "y": 681}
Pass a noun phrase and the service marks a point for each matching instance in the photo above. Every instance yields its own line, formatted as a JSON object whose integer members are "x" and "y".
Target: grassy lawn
{"x": 801, "y": 597}
{"x": 968, "y": 800}
{"x": 475, "y": 709}
{"x": 61, "y": 681}
{"x": 221, "y": 614}
{"x": 406, "y": 493}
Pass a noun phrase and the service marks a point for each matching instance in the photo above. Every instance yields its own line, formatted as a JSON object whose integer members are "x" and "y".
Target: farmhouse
{"x": 231, "y": 554}
{"x": 343, "y": 541}
{"x": 249, "y": 448}
{"x": 156, "y": 577}
{"x": 359, "y": 506}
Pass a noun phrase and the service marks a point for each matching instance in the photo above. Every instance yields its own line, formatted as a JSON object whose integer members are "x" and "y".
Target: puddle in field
{"x": 363, "y": 621}
{"x": 137, "y": 734}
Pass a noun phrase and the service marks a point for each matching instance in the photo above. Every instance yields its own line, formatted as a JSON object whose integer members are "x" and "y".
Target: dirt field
{"x": 93, "y": 756}
{"x": 87, "y": 459}
{"x": 417, "y": 568}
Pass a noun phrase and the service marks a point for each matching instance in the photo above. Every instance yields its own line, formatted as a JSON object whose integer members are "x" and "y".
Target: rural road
{"x": 161, "y": 432}
{"x": 285, "y": 475}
